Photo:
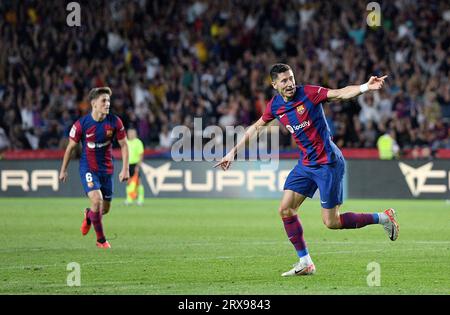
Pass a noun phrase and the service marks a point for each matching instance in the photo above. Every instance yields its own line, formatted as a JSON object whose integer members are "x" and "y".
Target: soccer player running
{"x": 96, "y": 132}
{"x": 135, "y": 189}
{"x": 321, "y": 164}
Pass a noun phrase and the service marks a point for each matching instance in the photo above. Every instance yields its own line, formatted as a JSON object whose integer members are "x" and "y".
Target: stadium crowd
{"x": 169, "y": 61}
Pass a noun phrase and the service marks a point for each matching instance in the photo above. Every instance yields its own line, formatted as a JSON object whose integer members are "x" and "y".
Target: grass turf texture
{"x": 201, "y": 246}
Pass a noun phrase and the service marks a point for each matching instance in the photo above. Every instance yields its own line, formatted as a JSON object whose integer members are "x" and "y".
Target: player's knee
{"x": 286, "y": 212}
{"x": 332, "y": 223}
{"x": 97, "y": 204}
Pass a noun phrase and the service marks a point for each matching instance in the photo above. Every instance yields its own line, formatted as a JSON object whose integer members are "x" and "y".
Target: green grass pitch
{"x": 205, "y": 246}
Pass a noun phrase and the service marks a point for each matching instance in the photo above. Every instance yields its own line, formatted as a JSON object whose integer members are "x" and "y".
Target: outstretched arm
{"x": 225, "y": 163}
{"x": 351, "y": 91}
{"x": 63, "y": 171}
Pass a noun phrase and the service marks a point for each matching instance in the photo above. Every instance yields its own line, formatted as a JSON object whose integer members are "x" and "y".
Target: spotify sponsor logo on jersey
{"x": 93, "y": 145}
{"x": 295, "y": 128}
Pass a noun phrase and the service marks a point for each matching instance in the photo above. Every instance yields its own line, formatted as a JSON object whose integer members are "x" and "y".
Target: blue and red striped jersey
{"x": 96, "y": 139}
{"x": 303, "y": 116}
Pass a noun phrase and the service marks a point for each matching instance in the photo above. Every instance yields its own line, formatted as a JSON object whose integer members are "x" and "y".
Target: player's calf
{"x": 106, "y": 206}
{"x": 332, "y": 222}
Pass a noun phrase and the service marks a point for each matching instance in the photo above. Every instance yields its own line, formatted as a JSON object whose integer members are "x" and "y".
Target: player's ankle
{"x": 101, "y": 240}
{"x": 383, "y": 218}
{"x": 306, "y": 260}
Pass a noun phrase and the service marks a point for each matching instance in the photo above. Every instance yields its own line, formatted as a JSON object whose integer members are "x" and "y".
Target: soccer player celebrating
{"x": 96, "y": 132}
{"x": 321, "y": 164}
{"x": 135, "y": 189}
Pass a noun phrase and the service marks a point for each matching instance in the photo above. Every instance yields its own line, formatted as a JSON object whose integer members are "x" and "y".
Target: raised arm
{"x": 351, "y": 91}
{"x": 249, "y": 133}
{"x": 63, "y": 171}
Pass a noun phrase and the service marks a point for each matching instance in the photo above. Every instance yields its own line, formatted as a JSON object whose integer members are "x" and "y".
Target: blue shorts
{"x": 95, "y": 181}
{"x": 329, "y": 178}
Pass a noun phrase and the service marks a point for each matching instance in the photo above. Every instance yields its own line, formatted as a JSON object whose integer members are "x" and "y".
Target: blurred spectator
{"x": 165, "y": 140}
{"x": 419, "y": 145}
{"x": 4, "y": 141}
{"x": 369, "y": 103}
{"x": 168, "y": 61}
{"x": 369, "y": 135}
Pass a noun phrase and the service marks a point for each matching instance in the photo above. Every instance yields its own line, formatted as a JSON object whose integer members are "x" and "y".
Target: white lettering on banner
{"x": 208, "y": 186}
{"x": 156, "y": 176}
{"x": 44, "y": 178}
{"x": 20, "y": 178}
{"x": 261, "y": 178}
{"x": 249, "y": 179}
{"x": 15, "y": 178}
{"x": 416, "y": 178}
{"x": 229, "y": 178}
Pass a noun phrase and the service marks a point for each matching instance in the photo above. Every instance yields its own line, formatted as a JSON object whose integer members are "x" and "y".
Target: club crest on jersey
{"x": 109, "y": 133}
{"x": 300, "y": 109}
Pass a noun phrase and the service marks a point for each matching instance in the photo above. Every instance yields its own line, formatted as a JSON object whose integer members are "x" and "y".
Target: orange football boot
{"x": 86, "y": 225}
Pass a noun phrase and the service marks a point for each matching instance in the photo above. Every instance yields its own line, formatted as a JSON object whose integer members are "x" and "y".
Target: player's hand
{"x": 63, "y": 176}
{"x": 376, "y": 83}
{"x": 226, "y": 161}
{"x": 124, "y": 175}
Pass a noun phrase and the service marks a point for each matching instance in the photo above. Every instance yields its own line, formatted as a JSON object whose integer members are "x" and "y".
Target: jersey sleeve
{"x": 75, "y": 132}
{"x": 317, "y": 94}
{"x": 120, "y": 129}
{"x": 268, "y": 116}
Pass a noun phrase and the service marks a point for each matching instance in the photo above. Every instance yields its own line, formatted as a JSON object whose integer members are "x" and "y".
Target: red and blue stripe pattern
{"x": 303, "y": 116}
{"x": 96, "y": 138}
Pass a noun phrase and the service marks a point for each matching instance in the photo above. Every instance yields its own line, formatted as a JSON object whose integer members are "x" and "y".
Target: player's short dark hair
{"x": 96, "y": 92}
{"x": 278, "y": 68}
